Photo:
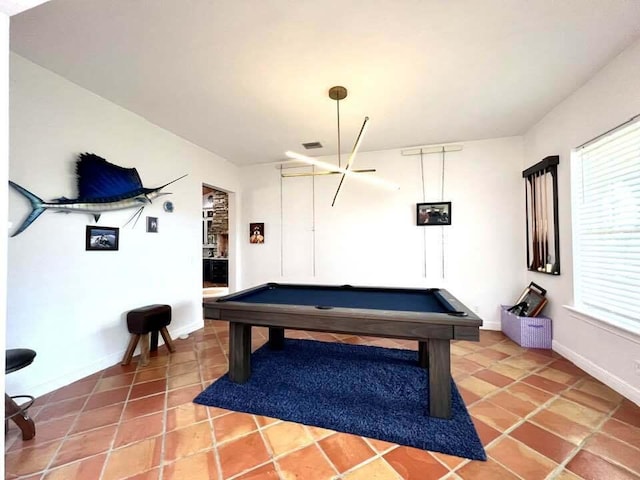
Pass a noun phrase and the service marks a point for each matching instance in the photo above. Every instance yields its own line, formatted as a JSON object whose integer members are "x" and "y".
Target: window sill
{"x": 629, "y": 330}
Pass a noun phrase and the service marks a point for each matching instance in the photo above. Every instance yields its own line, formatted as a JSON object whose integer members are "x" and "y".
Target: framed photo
{"x": 209, "y": 213}
{"x": 152, "y": 224}
{"x": 436, "y": 213}
{"x": 532, "y": 286}
{"x": 102, "y": 238}
{"x": 534, "y": 300}
{"x": 256, "y": 233}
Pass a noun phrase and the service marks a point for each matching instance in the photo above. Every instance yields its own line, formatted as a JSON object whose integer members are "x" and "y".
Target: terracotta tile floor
{"x": 538, "y": 415}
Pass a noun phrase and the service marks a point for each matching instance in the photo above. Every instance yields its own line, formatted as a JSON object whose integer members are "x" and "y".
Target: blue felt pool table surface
{"x": 392, "y": 299}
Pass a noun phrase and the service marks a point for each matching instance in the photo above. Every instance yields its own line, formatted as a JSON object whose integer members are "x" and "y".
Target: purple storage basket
{"x": 530, "y": 332}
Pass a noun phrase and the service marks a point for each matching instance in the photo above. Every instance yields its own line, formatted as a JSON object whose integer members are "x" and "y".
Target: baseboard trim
{"x": 606, "y": 377}
{"x": 495, "y": 325}
{"x": 107, "y": 361}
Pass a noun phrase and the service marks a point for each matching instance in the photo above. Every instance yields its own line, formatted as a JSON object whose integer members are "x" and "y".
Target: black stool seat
{"x": 151, "y": 319}
{"x": 147, "y": 319}
{"x": 17, "y": 358}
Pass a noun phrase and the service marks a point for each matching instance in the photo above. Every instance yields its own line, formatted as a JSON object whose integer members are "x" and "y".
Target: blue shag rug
{"x": 369, "y": 391}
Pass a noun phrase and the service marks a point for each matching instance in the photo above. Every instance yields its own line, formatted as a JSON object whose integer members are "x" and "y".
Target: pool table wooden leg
{"x": 423, "y": 354}
{"x": 439, "y": 378}
{"x": 239, "y": 352}
{"x": 276, "y": 338}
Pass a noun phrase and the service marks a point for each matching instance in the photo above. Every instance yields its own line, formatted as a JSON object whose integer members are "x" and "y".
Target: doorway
{"x": 215, "y": 242}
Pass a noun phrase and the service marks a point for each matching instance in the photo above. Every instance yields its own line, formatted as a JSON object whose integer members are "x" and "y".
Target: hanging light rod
{"x": 295, "y": 164}
{"x": 356, "y": 146}
{"x": 447, "y": 147}
{"x": 317, "y": 174}
{"x": 338, "y": 93}
{"x": 291, "y": 164}
{"x": 351, "y": 173}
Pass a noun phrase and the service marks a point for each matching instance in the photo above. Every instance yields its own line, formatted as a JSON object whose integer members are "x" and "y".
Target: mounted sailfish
{"x": 102, "y": 187}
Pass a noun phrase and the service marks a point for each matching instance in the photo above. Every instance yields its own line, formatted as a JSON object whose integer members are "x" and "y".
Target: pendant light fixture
{"x": 338, "y": 93}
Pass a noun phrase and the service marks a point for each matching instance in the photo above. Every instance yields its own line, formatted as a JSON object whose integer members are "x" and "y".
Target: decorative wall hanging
{"x": 102, "y": 238}
{"x": 433, "y": 213}
{"x": 541, "y": 197}
{"x": 168, "y": 206}
{"x": 256, "y": 232}
{"x": 152, "y": 224}
{"x": 338, "y": 93}
{"x": 102, "y": 187}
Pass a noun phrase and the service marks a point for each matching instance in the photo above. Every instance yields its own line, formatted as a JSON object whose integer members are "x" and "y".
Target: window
{"x": 606, "y": 226}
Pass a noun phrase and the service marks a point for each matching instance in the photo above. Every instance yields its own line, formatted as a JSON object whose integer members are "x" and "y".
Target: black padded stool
{"x": 18, "y": 358}
{"x": 142, "y": 321}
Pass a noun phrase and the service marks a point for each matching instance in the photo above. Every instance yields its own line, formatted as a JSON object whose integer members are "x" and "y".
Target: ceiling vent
{"x": 311, "y": 145}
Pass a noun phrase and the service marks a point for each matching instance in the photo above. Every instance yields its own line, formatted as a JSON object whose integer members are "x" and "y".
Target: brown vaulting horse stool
{"x": 18, "y": 358}
{"x": 142, "y": 321}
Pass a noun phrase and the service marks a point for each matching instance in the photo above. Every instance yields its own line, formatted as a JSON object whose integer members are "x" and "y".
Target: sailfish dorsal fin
{"x": 98, "y": 178}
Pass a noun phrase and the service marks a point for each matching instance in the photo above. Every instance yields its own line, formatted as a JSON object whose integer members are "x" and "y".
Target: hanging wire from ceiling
{"x": 442, "y": 200}
{"x": 337, "y": 94}
{"x": 281, "y": 230}
{"x": 443, "y": 149}
{"x": 424, "y": 231}
{"x": 313, "y": 220}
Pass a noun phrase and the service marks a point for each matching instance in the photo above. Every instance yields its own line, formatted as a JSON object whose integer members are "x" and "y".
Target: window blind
{"x": 606, "y": 226}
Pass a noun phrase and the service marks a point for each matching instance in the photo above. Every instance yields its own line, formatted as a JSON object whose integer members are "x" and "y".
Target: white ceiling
{"x": 248, "y": 79}
{"x": 13, "y": 7}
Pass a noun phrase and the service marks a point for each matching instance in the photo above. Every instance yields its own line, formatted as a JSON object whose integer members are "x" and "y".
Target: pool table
{"x": 433, "y": 317}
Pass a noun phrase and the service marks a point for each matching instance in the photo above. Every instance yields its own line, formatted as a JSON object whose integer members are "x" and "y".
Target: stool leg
{"x": 126, "y": 360}
{"x": 144, "y": 349}
{"x": 154, "y": 341}
{"x": 21, "y": 418}
{"x": 167, "y": 339}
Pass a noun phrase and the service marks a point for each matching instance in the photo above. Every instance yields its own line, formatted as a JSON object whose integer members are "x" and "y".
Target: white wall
{"x": 370, "y": 237}
{"x": 69, "y": 304}
{"x": 608, "y": 99}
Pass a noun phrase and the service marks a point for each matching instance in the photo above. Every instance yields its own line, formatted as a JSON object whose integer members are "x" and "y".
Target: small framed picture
{"x": 209, "y": 213}
{"x": 256, "y": 233}
{"x": 532, "y": 300}
{"x": 152, "y": 224}
{"x": 436, "y": 213}
{"x": 532, "y": 286}
{"x": 102, "y": 238}
{"x": 534, "y": 303}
